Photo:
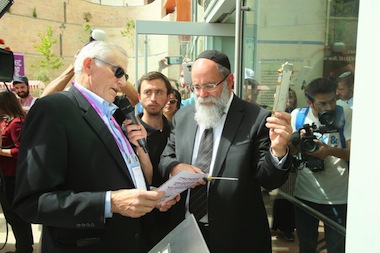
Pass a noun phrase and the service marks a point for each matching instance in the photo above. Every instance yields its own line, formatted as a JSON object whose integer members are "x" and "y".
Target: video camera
{"x": 307, "y": 144}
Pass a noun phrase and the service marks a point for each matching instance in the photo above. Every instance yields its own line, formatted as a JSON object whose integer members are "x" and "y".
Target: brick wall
{"x": 20, "y": 29}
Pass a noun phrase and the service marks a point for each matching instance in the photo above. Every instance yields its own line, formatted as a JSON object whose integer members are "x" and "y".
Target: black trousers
{"x": 283, "y": 215}
{"x": 22, "y": 230}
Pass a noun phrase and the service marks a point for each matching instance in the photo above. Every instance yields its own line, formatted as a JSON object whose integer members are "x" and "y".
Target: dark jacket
{"x": 68, "y": 160}
{"x": 236, "y": 212}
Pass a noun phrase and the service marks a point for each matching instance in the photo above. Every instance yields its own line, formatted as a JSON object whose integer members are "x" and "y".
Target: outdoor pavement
{"x": 10, "y": 245}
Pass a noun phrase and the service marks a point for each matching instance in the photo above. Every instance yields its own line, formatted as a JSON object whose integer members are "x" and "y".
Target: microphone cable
{"x": 2, "y": 189}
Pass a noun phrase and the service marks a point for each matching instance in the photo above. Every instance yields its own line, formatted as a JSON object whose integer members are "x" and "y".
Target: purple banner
{"x": 19, "y": 64}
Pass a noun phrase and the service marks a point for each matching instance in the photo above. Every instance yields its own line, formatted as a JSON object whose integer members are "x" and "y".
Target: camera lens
{"x": 309, "y": 146}
{"x": 327, "y": 117}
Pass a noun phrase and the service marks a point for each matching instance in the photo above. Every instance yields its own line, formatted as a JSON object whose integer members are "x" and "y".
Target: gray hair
{"x": 98, "y": 49}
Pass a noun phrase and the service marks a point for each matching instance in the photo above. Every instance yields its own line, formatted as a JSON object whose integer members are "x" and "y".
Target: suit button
{"x": 78, "y": 226}
{"x": 92, "y": 225}
{"x": 137, "y": 236}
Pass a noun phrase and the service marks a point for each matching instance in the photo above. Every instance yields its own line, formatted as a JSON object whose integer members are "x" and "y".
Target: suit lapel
{"x": 97, "y": 124}
{"x": 234, "y": 117}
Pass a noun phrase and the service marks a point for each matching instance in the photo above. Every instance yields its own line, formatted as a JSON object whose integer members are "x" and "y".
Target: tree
{"x": 129, "y": 32}
{"x": 50, "y": 59}
{"x": 85, "y": 35}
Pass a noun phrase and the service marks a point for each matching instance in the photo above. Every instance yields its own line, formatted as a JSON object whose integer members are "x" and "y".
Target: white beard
{"x": 209, "y": 116}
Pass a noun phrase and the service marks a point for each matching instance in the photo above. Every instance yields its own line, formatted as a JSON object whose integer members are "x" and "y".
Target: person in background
{"x": 21, "y": 86}
{"x": 345, "y": 89}
{"x": 251, "y": 90}
{"x": 190, "y": 95}
{"x": 246, "y": 144}
{"x": 291, "y": 102}
{"x": 80, "y": 176}
{"x": 154, "y": 89}
{"x": 251, "y": 86}
{"x": 322, "y": 178}
{"x": 173, "y": 104}
{"x": 13, "y": 116}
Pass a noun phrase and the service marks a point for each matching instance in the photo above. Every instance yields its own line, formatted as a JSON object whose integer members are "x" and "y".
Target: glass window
{"x": 317, "y": 37}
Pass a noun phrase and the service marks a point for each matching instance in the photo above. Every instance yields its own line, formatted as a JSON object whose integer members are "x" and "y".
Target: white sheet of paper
{"x": 177, "y": 184}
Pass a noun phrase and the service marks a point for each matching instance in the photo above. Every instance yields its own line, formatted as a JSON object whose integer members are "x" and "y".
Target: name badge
{"x": 139, "y": 177}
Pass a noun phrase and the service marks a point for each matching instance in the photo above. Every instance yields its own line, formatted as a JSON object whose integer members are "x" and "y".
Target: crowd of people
{"x": 82, "y": 172}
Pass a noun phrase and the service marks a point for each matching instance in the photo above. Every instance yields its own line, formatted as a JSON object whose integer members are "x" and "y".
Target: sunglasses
{"x": 119, "y": 71}
{"x": 173, "y": 101}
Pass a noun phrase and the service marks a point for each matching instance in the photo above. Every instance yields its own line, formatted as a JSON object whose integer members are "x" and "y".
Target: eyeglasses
{"x": 119, "y": 71}
{"x": 324, "y": 104}
{"x": 173, "y": 101}
{"x": 207, "y": 87}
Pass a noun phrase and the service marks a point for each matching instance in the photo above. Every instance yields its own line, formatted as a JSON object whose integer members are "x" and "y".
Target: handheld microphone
{"x": 127, "y": 109}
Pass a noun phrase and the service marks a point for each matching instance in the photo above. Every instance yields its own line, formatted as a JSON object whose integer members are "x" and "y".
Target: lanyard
{"x": 118, "y": 141}
{"x": 130, "y": 158}
{"x": 130, "y": 151}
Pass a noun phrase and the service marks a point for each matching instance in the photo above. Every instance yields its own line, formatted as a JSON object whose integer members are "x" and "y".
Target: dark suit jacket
{"x": 236, "y": 212}
{"x": 68, "y": 160}
{"x": 156, "y": 141}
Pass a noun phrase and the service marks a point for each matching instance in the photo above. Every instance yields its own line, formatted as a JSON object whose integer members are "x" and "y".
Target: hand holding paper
{"x": 178, "y": 183}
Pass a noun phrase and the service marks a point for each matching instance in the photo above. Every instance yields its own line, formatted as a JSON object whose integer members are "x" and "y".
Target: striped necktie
{"x": 198, "y": 195}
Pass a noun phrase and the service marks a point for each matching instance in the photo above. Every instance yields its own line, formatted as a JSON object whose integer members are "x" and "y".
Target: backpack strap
{"x": 340, "y": 122}
{"x": 339, "y": 119}
{"x": 301, "y": 115}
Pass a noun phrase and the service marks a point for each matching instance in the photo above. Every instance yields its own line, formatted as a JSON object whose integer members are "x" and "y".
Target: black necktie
{"x": 198, "y": 195}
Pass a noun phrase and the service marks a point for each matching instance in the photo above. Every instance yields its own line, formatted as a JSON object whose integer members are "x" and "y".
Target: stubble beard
{"x": 154, "y": 113}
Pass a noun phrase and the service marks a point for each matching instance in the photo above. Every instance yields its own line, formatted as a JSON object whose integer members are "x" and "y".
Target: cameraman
{"x": 324, "y": 186}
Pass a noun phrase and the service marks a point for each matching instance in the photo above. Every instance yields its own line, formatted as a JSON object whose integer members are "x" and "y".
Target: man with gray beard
{"x": 245, "y": 143}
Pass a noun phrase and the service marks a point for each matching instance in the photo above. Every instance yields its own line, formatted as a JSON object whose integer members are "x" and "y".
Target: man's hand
{"x": 322, "y": 151}
{"x": 134, "y": 203}
{"x": 162, "y": 64}
{"x": 167, "y": 205}
{"x": 135, "y": 132}
{"x": 280, "y": 132}
{"x": 184, "y": 166}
